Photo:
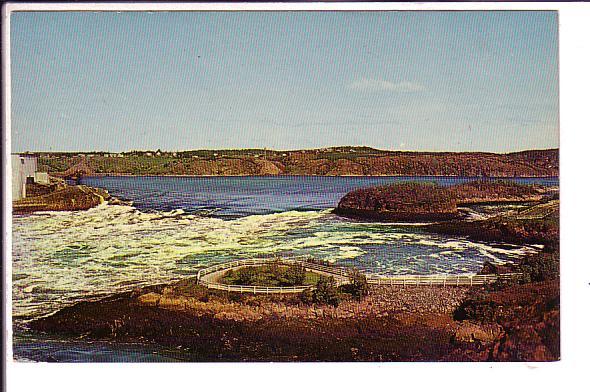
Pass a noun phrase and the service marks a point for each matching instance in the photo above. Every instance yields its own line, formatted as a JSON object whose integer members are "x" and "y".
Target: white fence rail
{"x": 339, "y": 273}
{"x": 440, "y": 280}
{"x": 341, "y": 276}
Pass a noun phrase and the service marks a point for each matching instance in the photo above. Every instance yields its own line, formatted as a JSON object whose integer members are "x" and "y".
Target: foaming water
{"x": 62, "y": 257}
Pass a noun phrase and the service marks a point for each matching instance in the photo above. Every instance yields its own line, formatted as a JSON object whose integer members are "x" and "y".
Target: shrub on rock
{"x": 326, "y": 291}
{"x": 358, "y": 287}
{"x": 541, "y": 267}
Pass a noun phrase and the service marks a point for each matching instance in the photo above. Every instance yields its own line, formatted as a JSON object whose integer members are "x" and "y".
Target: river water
{"x": 176, "y": 224}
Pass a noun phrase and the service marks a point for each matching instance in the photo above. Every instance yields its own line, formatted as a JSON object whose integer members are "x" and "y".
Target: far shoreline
{"x": 300, "y": 175}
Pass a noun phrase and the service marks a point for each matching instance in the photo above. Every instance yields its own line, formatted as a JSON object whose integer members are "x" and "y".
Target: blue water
{"x": 231, "y": 197}
{"x": 177, "y": 224}
{"x": 30, "y": 347}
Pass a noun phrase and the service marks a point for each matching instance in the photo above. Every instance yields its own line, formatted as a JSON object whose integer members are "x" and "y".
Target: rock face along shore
{"x": 60, "y": 197}
{"x": 390, "y": 324}
{"x": 423, "y": 202}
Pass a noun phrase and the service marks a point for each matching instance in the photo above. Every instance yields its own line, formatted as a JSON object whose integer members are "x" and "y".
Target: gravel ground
{"x": 381, "y": 301}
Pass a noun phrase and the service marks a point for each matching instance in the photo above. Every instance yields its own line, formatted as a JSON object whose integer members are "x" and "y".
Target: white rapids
{"x": 61, "y": 257}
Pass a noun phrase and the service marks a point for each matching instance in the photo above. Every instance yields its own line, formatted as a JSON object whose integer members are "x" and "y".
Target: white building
{"x": 23, "y": 171}
{"x": 42, "y": 178}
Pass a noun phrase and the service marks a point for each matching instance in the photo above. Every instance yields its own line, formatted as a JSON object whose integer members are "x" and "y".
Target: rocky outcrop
{"x": 388, "y": 325}
{"x": 62, "y": 198}
{"x": 35, "y": 189}
{"x": 419, "y": 202}
{"x": 518, "y": 323}
{"x": 400, "y": 202}
{"x": 381, "y": 302}
{"x": 475, "y": 192}
{"x": 517, "y": 228}
{"x": 471, "y": 332}
{"x": 496, "y": 269}
{"x": 515, "y": 323}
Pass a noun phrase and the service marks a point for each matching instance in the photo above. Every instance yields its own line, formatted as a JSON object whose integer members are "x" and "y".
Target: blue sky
{"x": 418, "y": 81}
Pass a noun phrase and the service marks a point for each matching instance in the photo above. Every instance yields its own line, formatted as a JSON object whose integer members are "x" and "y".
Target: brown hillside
{"x": 336, "y": 161}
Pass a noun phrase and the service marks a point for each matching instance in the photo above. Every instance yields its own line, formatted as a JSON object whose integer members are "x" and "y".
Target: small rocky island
{"x": 427, "y": 202}
{"x": 400, "y": 202}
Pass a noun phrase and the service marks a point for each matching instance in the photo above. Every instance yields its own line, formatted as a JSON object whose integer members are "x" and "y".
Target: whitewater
{"x": 62, "y": 257}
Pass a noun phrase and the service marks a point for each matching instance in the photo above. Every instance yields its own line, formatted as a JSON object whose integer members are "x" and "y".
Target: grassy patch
{"x": 270, "y": 275}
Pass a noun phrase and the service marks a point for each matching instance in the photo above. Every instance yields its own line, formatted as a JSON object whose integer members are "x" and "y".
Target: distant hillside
{"x": 329, "y": 161}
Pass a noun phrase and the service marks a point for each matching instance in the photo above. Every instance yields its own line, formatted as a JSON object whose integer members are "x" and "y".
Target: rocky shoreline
{"x": 387, "y": 325}
{"x": 428, "y": 202}
{"x": 61, "y": 197}
{"x": 390, "y": 324}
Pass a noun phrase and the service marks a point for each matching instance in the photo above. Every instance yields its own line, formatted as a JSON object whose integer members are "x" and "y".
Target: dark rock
{"x": 424, "y": 202}
{"x": 62, "y": 198}
{"x": 496, "y": 269}
{"x": 400, "y": 202}
{"x": 472, "y": 332}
